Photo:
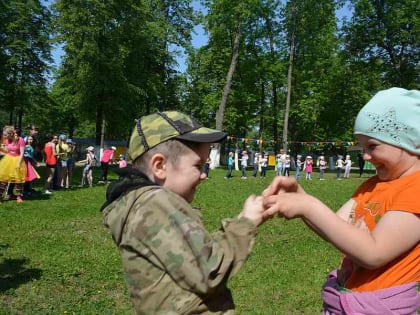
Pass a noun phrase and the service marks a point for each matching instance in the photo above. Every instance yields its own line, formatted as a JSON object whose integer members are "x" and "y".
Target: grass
{"x": 57, "y": 258}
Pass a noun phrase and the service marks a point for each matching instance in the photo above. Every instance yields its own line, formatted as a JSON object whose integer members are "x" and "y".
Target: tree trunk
{"x": 289, "y": 80}
{"x": 262, "y": 98}
{"x": 226, "y": 90}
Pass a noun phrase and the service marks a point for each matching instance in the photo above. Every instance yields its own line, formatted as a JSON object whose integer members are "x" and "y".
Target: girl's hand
{"x": 282, "y": 184}
{"x": 289, "y": 205}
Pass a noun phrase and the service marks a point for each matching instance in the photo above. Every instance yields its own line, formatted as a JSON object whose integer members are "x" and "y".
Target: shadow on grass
{"x": 14, "y": 272}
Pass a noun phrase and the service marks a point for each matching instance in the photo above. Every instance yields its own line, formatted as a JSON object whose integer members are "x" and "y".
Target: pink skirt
{"x": 31, "y": 173}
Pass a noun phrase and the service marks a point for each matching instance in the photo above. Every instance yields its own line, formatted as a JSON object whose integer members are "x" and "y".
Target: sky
{"x": 199, "y": 38}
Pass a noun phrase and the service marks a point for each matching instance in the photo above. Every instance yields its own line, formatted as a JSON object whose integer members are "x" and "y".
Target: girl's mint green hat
{"x": 392, "y": 116}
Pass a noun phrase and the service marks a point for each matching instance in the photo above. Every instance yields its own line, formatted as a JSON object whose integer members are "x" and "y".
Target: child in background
{"x": 244, "y": 164}
{"x": 207, "y": 167}
{"x": 322, "y": 167}
{"x": 122, "y": 162}
{"x": 286, "y": 166}
{"x": 308, "y": 165}
{"x": 347, "y": 167}
{"x": 263, "y": 164}
{"x": 339, "y": 166}
{"x": 230, "y": 166}
{"x": 280, "y": 158}
{"x": 298, "y": 166}
{"x": 89, "y": 163}
{"x": 378, "y": 229}
{"x": 255, "y": 164}
{"x": 172, "y": 264}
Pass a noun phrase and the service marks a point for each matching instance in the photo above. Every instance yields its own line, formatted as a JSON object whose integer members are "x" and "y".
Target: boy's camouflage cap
{"x": 159, "y": 127}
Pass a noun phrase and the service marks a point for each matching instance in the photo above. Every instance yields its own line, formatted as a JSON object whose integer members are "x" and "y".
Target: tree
{"x": 384, "y": 37}
{"x": 117, "y": 64}
{"x": 25, "y": 56}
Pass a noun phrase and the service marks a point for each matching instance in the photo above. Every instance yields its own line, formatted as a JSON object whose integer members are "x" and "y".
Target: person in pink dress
{"x": 308, "y": 167}
{"x": 12, "y": 165}
{"x": 31, "y": 163}
{"x": 107, "y": 157}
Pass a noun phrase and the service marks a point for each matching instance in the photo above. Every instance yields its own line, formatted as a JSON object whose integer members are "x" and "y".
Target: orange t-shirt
{"x": 50, "y": 158}
{"x": 373, "y": 199}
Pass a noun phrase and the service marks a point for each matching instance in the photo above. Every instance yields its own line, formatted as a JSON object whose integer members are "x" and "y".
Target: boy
{"x": 172, "y": 264}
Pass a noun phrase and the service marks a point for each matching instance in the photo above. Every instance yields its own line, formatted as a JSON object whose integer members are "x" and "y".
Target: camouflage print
{"x": 172, "y": 264}
{"x": 159, "y": 127}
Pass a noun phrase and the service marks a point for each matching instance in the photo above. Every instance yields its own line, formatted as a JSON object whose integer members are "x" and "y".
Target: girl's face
{"x": 29, "y": 140}
{"x": 391, "y": 162}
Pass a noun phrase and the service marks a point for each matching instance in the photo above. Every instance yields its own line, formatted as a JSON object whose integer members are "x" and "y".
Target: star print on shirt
{"x": 388, "y": 124}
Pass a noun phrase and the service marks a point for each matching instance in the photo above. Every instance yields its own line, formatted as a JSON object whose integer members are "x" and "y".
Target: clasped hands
{"x": 283, "y": 197}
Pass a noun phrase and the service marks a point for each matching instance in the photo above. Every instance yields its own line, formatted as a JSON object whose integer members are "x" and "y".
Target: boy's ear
{"x": 158, "y": 166}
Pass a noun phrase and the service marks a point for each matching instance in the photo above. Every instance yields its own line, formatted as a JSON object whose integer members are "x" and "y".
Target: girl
{"x": 298, "y": 166}
{"x": 378, "y": 229}
{"x": 12, "y": 165}
{"x": 230, "y": 166}
{"x": 286, "y": 166}
{"x": 31, "y": 163}
{"x": 89, "y": 162}
{"x": 308, "y": 167}
{"x": 347, "y": 166}
{"x": 322, "y": 167}
{"x": 339, "y": 165}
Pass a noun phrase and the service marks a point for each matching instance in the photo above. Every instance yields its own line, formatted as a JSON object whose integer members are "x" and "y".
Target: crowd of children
{"x": 20, "y": 156}
{"x": 284, "y": 165}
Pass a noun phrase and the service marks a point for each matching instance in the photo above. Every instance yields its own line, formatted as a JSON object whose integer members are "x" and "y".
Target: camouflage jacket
{"x": 172, "y": 264}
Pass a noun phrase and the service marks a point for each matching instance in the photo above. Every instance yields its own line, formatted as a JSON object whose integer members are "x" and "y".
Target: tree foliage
{"x": 120, "y": 62}
{"x": 25, "y": 54}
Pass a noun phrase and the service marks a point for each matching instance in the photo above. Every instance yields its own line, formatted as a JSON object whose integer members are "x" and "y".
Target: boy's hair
{"x": 172, "y": 149}
{"x": 160, "y": 127}
{"x": 392, "y": 116}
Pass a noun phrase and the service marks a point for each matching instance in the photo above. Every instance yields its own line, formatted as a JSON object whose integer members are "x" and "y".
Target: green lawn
{"x": 57, "y": 258}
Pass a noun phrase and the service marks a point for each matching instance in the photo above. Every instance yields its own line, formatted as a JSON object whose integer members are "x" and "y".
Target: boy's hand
{"x": 253, "y": 209}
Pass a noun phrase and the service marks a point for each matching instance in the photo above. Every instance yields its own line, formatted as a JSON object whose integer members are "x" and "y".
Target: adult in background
{"x": 12, "y": 165}
{"x": 67, "y": 179}
{"x": 50, "y": 162}
{"x": 63, "y": 155}
{"x": 31, "y": 163}
{"x": 107, "y": 157}
{"x": 32, "y": 132}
